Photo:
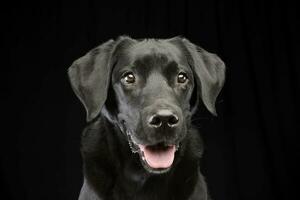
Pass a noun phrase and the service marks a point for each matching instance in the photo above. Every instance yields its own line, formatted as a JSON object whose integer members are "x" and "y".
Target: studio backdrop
{"x": 250, "y": 148}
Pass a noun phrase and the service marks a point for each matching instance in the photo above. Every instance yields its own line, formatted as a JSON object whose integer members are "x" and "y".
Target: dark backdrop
{"x": 250, "y": 147}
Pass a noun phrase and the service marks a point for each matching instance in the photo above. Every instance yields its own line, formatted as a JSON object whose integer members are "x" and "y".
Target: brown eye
{"x": 182, "y": 77}
{"x": 129, "y": 78}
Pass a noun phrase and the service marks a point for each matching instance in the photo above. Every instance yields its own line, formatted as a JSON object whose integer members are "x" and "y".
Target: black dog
{"x": 139, "y": 96}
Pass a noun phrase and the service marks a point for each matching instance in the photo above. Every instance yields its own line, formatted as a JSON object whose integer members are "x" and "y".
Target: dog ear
{"x": 90, "y": 76}
{"x": 209, "y": 72}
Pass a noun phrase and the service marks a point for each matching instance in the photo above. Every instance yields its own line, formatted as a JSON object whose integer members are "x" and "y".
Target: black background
{"x": 250, "y": 148}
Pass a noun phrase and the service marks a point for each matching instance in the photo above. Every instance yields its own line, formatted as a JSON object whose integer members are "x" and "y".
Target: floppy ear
{"x": 209, "y": 72}
{"x": 90, "y": 77}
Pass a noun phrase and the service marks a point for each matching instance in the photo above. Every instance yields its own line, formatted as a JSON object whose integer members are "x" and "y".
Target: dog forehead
{"x": 155, "y": 49}
{"x": 151, "y": 54}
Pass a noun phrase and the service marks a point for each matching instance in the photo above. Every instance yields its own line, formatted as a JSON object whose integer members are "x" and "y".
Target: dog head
{"x": 149, "y": 88}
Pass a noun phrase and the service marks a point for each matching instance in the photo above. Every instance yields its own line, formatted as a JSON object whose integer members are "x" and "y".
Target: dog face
{"x": 149, "y": 85}
{"x": 152, "y": 84}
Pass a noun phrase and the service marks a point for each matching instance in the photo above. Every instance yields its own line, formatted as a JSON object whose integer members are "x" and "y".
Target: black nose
{"x": 163, "y": 118}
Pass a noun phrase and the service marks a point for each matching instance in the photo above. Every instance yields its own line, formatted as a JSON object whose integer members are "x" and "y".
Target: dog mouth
{"x": 157, "y": 158}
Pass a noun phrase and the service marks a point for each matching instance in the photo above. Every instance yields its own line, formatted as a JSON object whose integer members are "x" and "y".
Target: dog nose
{"x": 163, "y": 118}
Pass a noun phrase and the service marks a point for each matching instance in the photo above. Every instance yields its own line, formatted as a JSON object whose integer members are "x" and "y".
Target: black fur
{"x": 118, "y": 114}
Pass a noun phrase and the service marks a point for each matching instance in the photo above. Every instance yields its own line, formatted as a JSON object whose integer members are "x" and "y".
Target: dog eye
{"x": 182, "y": 77}
{"x": 129, "y": 78}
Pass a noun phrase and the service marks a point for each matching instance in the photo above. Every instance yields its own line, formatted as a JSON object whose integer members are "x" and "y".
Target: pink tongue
{"x": 159, "y": 158}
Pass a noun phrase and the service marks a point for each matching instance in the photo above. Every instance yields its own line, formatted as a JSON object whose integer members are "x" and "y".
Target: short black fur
{"x": 119, "y": 115}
